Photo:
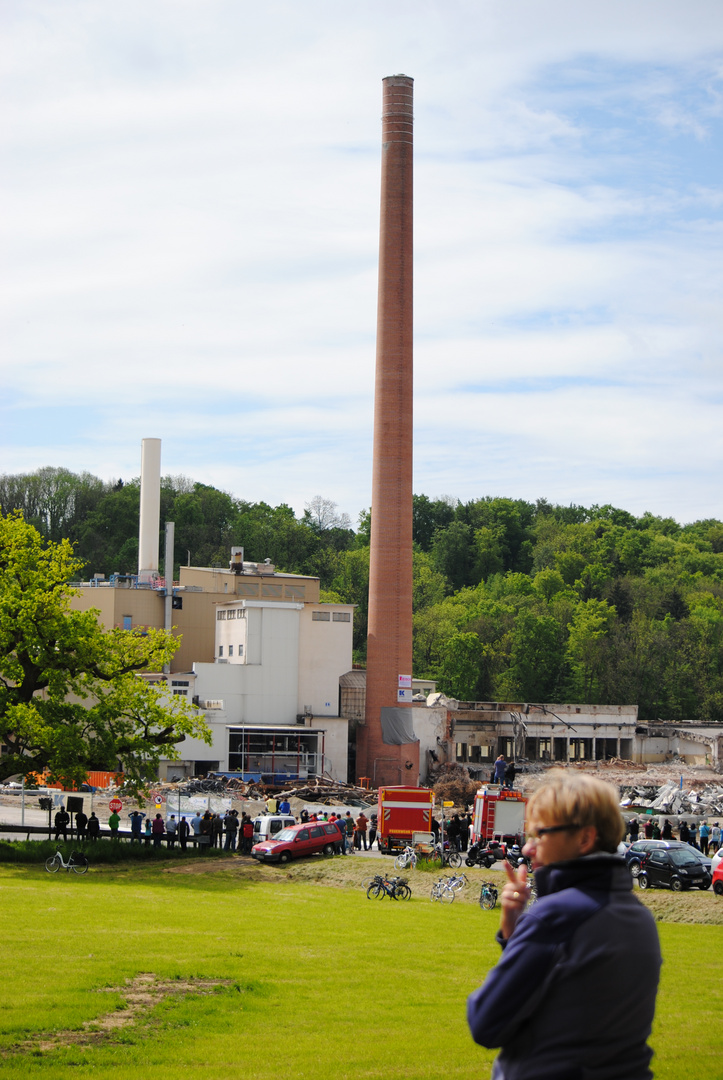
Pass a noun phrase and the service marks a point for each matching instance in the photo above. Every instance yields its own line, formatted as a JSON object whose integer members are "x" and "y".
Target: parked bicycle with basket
{"x": 395, "y": 888}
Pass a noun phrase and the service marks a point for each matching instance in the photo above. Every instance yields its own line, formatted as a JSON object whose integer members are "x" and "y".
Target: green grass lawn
{"x": 315, "y": 981}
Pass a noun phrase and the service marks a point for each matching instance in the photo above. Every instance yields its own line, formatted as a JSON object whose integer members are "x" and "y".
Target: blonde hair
{"x": 567, "y": 798}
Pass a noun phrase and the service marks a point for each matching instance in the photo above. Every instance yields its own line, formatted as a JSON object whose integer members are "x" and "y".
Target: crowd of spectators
{"x": 704, "y": 837}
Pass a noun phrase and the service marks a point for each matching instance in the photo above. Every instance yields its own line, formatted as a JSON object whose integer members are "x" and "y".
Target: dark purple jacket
{"x": 573, "y": 994}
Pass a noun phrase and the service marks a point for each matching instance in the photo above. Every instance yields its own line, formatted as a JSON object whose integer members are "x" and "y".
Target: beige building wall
{"x": 201, "y": 590}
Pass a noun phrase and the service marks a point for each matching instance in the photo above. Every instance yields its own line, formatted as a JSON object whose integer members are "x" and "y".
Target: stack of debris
{"x": 331, "y": 793}
{"x": 672, "y": 800}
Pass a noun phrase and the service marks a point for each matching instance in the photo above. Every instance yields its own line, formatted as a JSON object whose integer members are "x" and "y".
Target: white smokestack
{"x": 150, "y": 524}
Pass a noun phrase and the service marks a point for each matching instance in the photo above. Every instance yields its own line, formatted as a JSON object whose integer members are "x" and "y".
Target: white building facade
{"x": 271, "y": 698}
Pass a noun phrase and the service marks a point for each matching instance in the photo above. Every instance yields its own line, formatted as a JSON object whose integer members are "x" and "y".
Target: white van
{"x": 266, "y": 828}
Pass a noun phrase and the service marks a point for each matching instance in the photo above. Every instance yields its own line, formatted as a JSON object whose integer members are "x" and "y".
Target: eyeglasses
{"x": 552, "y": 829}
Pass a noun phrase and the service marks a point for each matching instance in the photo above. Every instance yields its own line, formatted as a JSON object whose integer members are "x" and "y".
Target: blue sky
{"x": 189, "y": 245}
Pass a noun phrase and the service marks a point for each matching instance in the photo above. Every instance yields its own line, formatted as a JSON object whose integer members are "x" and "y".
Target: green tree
{"x": 590, "y": 624}
{"x": 460, "y": 670}
{"x": 71, "y": 697}
{"x": 537, "y": 649}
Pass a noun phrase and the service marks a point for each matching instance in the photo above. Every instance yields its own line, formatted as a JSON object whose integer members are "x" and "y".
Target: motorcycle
{"x": 486, "y": 855}
{"x": 516, "y": 859}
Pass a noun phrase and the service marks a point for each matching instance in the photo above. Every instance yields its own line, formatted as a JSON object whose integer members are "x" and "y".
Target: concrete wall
{"x": 325, "y": 654}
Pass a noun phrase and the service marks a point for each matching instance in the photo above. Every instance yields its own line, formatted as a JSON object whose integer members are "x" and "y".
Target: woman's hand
{"x": 515, "y": 894}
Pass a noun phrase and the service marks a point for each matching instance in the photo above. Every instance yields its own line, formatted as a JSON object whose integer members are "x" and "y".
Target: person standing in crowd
{"x": 231, "y": 826}
{"x": 196, "y": 823}
{"x": 361, "y": 830}
{"x": 206, "y": 837}
{"x": 693, "y": 834}
{"x": 158, "y": 830}
{"x": 453, "y": 832}
{"x": 184, "y": 830}
{"x": 510, "y": 773}
{"x": 704, "y": 835}
{"x": 349, "y": 826}
{"x": 656, "y": 830}
{"x": 714, "y": 837}
{"x": 574, "y": 991}
{"x": 93, "y": 826}
{"x": 171, "y": 830}
{"x": 148, "y": 830}
{"x": 247, "y": 830}
{"x": 667, "y": 830}
{"x": 648, "y": 828}
{"x": 304, "y": 816}
{"x": 217, "y": 831}
{"x": 684, "y": 832}
{"x": 465, "y": 824}
{"x": 62, "y": 820}
{"x": 136, "y": 825}
{"x": 434, "y": 825}
{"x": 633, "y": 829}
{"x": 372, "y": 831}
{"x": 114, "y": 824}
{"x": 499, "y": 773}
{"x": 81, "y": 824}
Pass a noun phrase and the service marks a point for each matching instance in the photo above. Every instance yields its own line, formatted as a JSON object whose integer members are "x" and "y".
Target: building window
{"x": 320, "y": 616}
{"x": 127, "y": 622}
{"x": 342, "y": 616}
{"x": 221, "y": 614}
{"x": 181, "y": 693}
{"x": 220, "y": 650}
{"x": 240, "y": 650}
{"x": 230, "y": 650}
{"x": 231, "y": 613}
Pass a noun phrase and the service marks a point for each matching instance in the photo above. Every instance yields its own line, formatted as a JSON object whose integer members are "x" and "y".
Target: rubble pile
{"x": 320, "y": 790}
{"x": 671, "y": 800}
{"x": 330, "y": 793}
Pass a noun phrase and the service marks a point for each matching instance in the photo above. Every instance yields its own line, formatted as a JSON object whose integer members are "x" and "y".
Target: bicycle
{"x": 408, "y": 857}
{"x": 77, "y": 862}
{"x": 446, "y": 856}
{"x": 394, "y": 888}
{"x": 488, "y": 896}
{"x": 447, "y": 888}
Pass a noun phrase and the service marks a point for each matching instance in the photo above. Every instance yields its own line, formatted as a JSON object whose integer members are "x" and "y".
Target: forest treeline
{"x": 513, "y": 601}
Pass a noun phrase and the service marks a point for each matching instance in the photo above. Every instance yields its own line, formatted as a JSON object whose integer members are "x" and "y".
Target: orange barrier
{"x": 96, "y": 778}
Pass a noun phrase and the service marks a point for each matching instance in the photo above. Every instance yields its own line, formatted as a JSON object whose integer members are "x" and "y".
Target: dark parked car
{"x": 673, "y": 868}
{"x": 637, "y": 852}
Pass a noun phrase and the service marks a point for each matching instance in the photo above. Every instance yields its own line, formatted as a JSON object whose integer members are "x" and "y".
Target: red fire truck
{"x": 499, "y": 814}
{"x": 404, "y": 816}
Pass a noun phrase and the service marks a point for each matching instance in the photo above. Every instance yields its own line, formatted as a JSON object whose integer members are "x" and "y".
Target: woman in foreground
{"x": 573, "y": 994}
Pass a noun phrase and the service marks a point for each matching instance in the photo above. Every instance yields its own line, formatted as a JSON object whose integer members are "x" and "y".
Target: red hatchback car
{"x": 299, "y": 840}
{"x": 718, "y": 879}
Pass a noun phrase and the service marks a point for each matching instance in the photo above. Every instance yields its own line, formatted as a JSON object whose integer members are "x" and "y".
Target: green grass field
{"x": 277, "y": 973}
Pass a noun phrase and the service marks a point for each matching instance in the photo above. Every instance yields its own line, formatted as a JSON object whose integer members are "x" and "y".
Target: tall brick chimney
{"x": 389, "y": 642}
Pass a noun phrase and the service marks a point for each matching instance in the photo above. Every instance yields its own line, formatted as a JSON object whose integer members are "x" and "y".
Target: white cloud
{"x": 190, "y": 239}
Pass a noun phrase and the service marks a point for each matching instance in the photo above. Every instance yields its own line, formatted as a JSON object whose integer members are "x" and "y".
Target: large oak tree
{"x": 72, "y": 695}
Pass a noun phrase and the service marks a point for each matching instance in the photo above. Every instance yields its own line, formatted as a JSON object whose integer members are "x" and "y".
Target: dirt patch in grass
{"x": 139, "y": 994}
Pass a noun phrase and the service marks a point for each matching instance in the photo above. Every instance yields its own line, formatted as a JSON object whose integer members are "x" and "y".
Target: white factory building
{"x": 271, "y": 696}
